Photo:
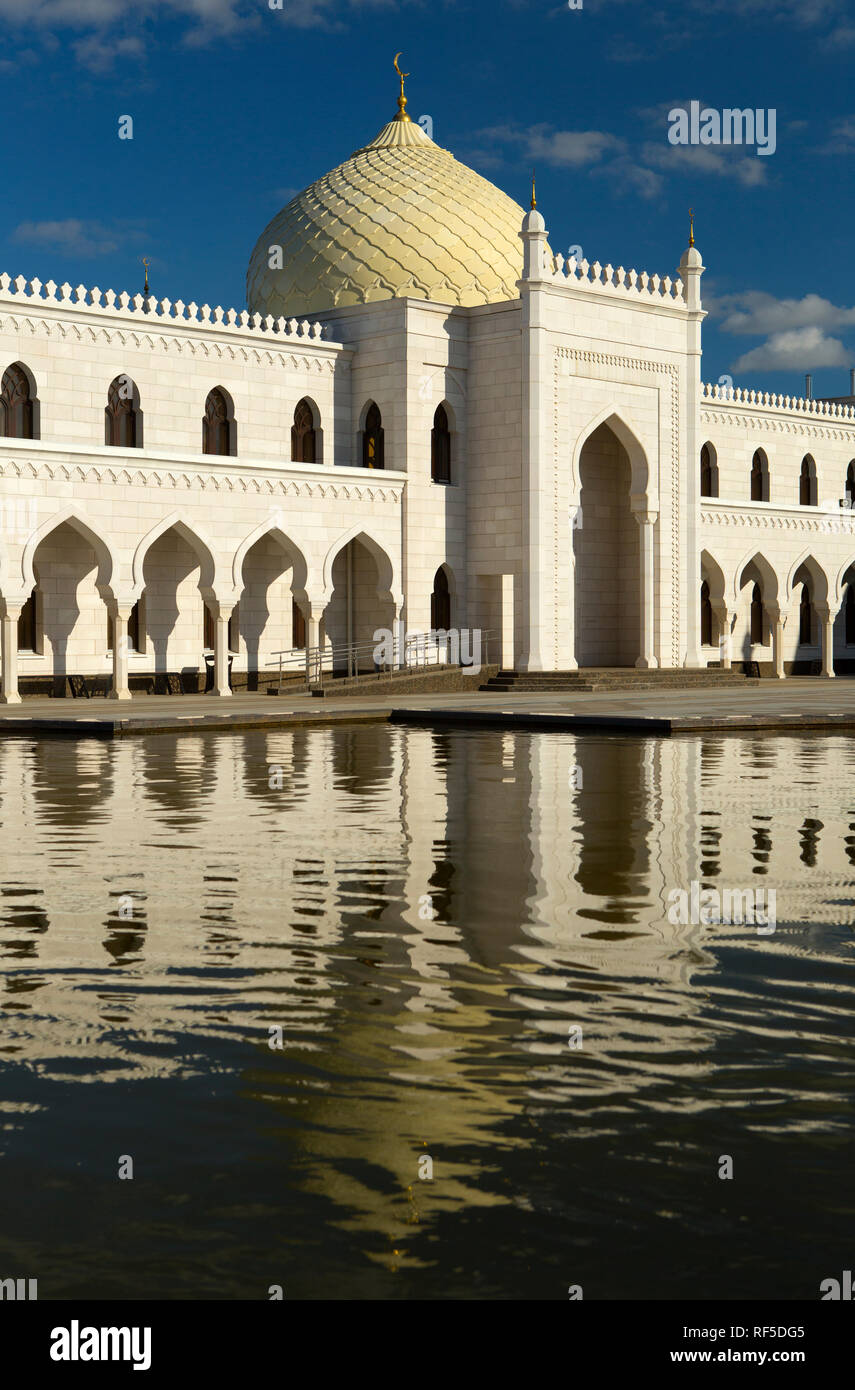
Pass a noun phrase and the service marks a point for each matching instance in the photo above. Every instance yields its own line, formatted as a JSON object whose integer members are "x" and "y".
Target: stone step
{"x": 615, "y": 679}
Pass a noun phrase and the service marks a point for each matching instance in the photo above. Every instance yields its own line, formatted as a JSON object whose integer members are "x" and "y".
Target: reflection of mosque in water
{"x": 289, "y": 878}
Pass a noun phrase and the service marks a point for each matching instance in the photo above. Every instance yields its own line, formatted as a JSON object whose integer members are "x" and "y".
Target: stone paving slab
{"x": 799, "y": 703}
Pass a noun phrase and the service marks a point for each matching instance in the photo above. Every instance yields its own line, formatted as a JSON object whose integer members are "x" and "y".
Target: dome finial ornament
{"x": 402, "y": 100}
{"x": 533, "y": 199}
{"x": 691, "y": 226}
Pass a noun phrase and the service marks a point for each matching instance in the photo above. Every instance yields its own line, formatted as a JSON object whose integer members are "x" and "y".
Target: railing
{"x": 318, "y": 665}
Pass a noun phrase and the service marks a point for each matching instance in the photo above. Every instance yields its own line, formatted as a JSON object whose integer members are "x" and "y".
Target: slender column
{"x": 572, "y": 662}
{"x": 722, "y": 617}
{"x": 9, "y": 615}
{"x": 776, "y": 623}
{"x": 221, "y": 650}
{"x": 647, "y": 520}
{"x": 508, "y": 620}
{"x": 120, "y": 612}
{"x": 399, "y": 638}
{"x": 826, "y": 616}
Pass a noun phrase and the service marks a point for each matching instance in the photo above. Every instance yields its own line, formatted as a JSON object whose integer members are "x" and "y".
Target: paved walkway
{"x": 796, "y": 703}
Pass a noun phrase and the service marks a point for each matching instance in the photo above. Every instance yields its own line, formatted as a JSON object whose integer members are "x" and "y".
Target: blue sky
{"x": 236, "y": 106}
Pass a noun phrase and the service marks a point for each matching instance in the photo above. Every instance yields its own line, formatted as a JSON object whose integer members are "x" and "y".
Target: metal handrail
{"x": 317, "y": 662}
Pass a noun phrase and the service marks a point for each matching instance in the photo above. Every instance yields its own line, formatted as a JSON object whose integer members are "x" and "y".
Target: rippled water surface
{"x": 425, "y": 916}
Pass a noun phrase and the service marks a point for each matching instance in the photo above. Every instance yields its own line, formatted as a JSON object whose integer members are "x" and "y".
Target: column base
{"x": 646, "y": 663}
{"x": 10, "y": 699}
{"x": 119, "y": 695}
{"x": 827, "y": 675}
{"x": 220, "y": 693}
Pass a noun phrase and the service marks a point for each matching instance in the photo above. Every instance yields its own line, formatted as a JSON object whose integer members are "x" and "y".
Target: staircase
{"x": 622, "y": 679}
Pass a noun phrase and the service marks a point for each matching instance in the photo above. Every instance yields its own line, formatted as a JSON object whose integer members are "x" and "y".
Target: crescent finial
{"x": 402, "y": 100}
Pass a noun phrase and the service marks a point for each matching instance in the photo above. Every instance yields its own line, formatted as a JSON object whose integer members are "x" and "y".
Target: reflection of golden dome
{"x": 401, "y": 217}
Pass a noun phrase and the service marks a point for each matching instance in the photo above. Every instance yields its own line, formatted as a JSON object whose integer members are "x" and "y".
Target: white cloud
{"x": 723, "y": 161}
{"x": 110, "y": 28}
{"x": 561, "y": 148}
{"x": 76, "y": 237}
{"x": 797, "y": 349}
{"x": 761, "y": 313}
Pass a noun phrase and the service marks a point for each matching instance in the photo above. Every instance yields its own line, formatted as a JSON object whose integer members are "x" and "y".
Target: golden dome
{"x": 401, "y": 217}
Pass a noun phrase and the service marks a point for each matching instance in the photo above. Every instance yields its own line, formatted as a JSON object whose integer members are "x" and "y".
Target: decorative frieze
{"x": 202, "y": 482}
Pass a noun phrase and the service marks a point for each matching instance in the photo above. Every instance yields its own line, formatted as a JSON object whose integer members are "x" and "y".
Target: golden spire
{"x": 402, "y": 100}
{"x": 533, "y": 199}
{"x": 145, "y": 263}
{"x": 691, "y": 226}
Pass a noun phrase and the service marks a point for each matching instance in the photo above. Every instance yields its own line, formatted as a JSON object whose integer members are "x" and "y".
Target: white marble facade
{"x": 573, "y": 528}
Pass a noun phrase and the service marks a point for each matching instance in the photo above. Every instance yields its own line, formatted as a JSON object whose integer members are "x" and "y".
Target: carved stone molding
{"x": 828, "y": 525}
{"x": 165, "y": 342}
{"x": 202, "y": 482}
{"x": 772, "y": 425}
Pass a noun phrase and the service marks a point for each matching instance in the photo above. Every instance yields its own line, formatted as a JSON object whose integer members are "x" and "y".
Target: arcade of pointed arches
{"x": 174, "y": 611}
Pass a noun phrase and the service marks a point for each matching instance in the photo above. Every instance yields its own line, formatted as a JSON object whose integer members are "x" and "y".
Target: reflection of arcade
{"x": 545, "y": 862}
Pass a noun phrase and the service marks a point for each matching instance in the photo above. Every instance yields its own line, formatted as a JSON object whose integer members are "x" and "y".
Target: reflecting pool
{"x": 280, "y": 971}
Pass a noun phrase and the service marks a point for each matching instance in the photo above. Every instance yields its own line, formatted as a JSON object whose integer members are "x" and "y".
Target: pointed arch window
{"x": 372, "y": 439}
{"x": 709, "y": 473}
{"x": 303, "y": 442}
{"x": 706, "y": 616}
{"x": 440, "y": 602}
{"x": 805, "y": 617}
{"x": 759, "y": 477}
{"x": 122, "y": 415}
{"x": 807, "y": 483}
{"x": 440, "y": 447}
{"x": 850, "y": 484}
{"x": 16, "y": 405}
{"x": 218, "y": 424}
{"x": 756, "y": 616}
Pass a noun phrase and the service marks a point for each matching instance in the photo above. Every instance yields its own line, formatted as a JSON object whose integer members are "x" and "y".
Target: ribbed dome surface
{"x": 401, "y": 217}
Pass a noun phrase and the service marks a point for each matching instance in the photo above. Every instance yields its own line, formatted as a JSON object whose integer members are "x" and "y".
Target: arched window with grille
{"x": 372, "y": 439}
{"x": 122, "y": 415}
{"x": 709, "y": 472}
{"x": 17, "y": 417}
{"x": 218, "y": 426}
{"x": 807, "y": 483}
{"x": 440, "y": 447}
{"x": 756, "y": 616}
{"x": 134, "y": 629}
{"x": 303, "y": 442}
{"x": 440, "y": 602}
{"x": 706, "y": 616}
{"x": 298, "y": 627}
{"x": 759, "y": 477}
{"x": 805, "y": 617}
{"x": 27, "y": 631}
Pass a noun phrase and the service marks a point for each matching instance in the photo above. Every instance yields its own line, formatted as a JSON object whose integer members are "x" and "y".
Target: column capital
{"x": 645, "y": 516}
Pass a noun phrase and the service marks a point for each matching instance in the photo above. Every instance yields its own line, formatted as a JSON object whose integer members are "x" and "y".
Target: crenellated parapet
{"x": 609, "y": 280}
{"x": 735, "y": 395}
{"x": 21, "y": 292}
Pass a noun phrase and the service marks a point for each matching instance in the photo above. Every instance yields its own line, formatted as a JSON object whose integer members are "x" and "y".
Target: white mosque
{"x": 424, "y": 417}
